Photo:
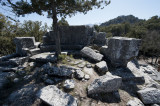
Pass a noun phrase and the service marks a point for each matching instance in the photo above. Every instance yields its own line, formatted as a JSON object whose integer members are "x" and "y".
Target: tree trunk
{"x": 156, "y": 60}
{"x": 56, "y": 28}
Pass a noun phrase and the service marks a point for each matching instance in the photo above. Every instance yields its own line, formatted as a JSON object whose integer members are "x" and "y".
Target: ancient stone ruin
{"x": 121, "y": 50}
{"x": 71, "y": 37}
{"x": 91, "y": 68}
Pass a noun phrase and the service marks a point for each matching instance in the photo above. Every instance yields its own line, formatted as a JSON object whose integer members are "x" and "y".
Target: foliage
{"x": 63, "y": 22}
{"x": 121, "y": 19}
{"x": 11, "y": 30}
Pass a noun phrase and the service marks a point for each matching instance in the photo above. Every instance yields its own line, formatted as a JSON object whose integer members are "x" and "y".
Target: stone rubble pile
{"x": 106, "y": 65}
{"x": 106, "y": 83}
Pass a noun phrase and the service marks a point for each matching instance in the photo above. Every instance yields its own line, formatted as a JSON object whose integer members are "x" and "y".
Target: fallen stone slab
{"x": 134, "y": 102}
{"x": 86, "y": 77}
{"x": 51, "y": 48}
{"x": 151, "y": 71}
{"x": 14, "y": 62}
{"x": 131, "y": 73}
{"x": 24, "y": 95}
{"x": 61, "y": 72}
{"x": 91, "y": 54}
{"x": 19, "y": 60}
{"x": 121, "y": 50}
{"x": 55, "y": 97}
{"x": 155, "y": 105}
{"x": 7, "y": 57}
{"x": 7, "y": 69}
{"x": 43, "y": 57}
{"x": 3, "y": 79}
{"x": 106, "y": 83}
{"x": 149, "y": 95}
{"x": 101, "y": 67}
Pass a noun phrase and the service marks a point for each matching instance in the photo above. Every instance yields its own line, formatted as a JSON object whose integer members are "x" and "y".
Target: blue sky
{"x": 143, "y": 9}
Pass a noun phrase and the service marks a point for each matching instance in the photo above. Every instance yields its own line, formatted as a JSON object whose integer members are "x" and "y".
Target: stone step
{"x": 50, "y": 48}
{"x": 7, "y": 69}
{"x": 43, "y": 57}
{"x": 37, "y": 44}
{"x": 129, "y": 75}
{"x": 35, "y": 51}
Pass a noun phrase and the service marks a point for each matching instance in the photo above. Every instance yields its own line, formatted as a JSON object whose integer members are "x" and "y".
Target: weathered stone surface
{"x": 101, "y": 67}
{"x": 72, "y": 38}
{"x": 51, "y": 48}
{"x": 24, "y": 42}
{"x": 81, "y": 65}
{"x": 149, "y": 95}
{"x": 35, "y": 51}
{"x": 43, "y": 57}
{"x": 16, "y": 80}
{"x": 91, "y": 54}
{"x": 3, "y": 79}
{"x": 14, "y": 62}
{"x": 62, "y": 72}
{"x": 18, "y": 60}
{"x": 151, "y": 71}
{"x": 135, "y": 102}
{"x": 131, "y": 73}
{"x": 86, "y": 77}
{"x": 155, "y": 105}
{"x": 26, "y": 94}
{"x": 106, "y": 83}
{"x": 7, "y": 57}
{"x": 49, "y": 81}
{"x": 6, "y": 69}
{"x": 69, "y": 84}
{"x": 121, "y": 50}
{"x": 79, "y": 74}
{"x": 100, "y": 38}
{"x": 89, "y": 71}
{"x": 27, "y": 77}
{"x": 55, "y": 97}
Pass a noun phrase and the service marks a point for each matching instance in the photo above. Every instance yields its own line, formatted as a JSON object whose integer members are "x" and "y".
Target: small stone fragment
{"x": 79, "y": 74}
{"x": 101, "y": 67}
{"x": 16, "y": 80}
{"x": 106, "y": 83}
{"x": 86, "y": 77}
{"x": 135, "y": 102}
{"x": 49, "y": 81}
{"x": 55, "y": 97}
{"x": 69, "y": 84}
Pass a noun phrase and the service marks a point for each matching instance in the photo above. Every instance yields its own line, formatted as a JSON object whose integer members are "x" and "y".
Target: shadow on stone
{"x": 110, "y": 97}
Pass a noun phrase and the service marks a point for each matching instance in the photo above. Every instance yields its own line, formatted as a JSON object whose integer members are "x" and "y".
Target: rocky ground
{"x": 24, "y": 84}
{"x": 93, "y": 76}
